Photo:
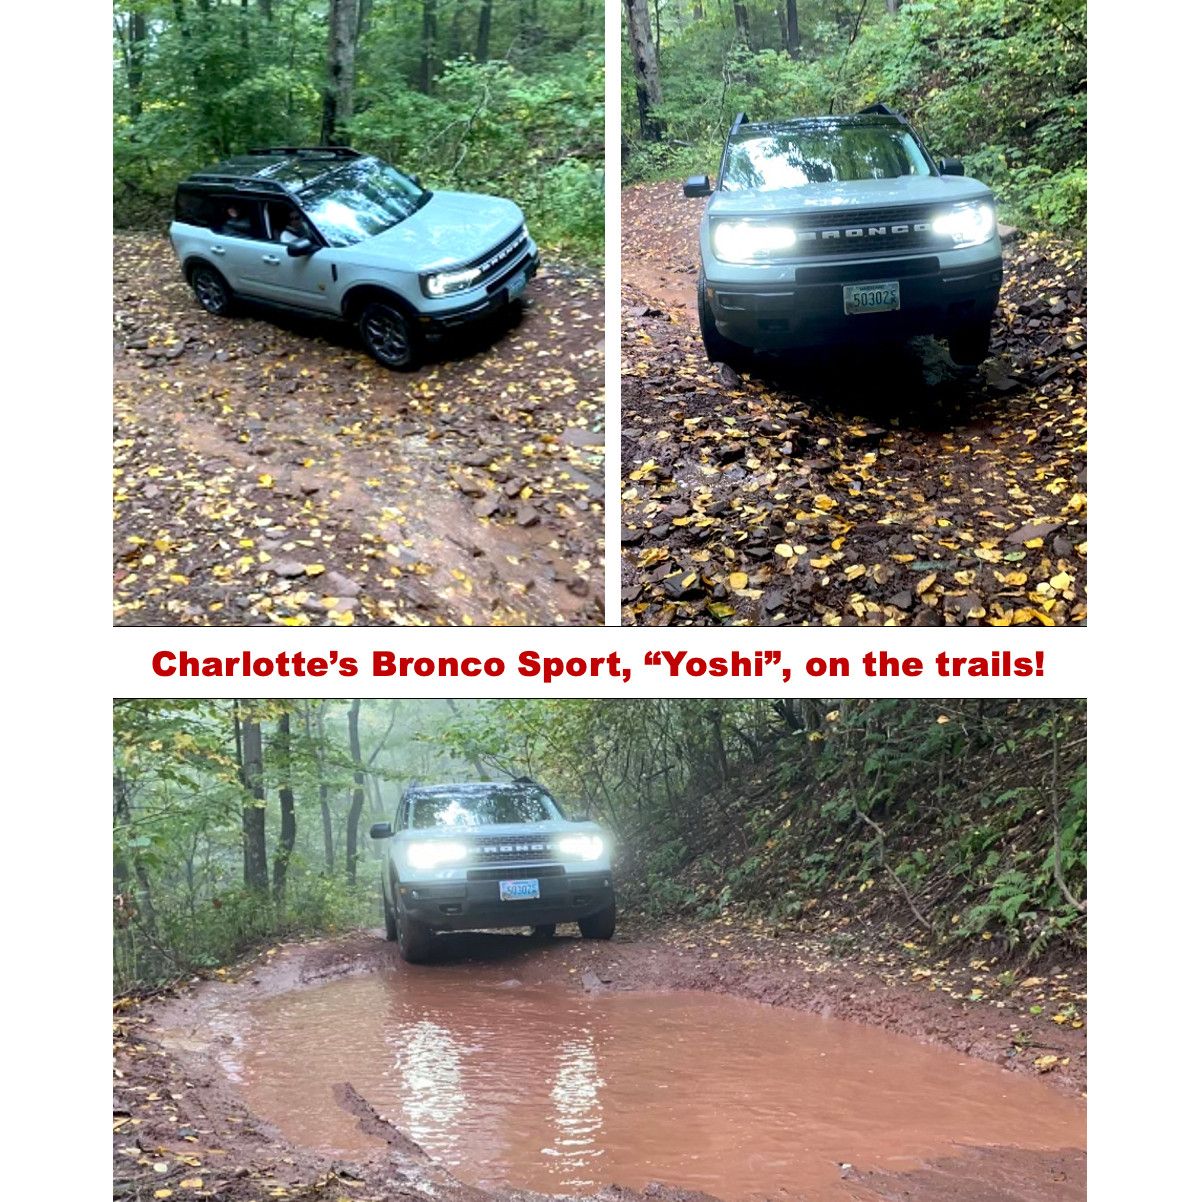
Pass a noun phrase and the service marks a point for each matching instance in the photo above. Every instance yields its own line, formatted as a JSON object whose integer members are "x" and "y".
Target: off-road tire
{"x": 717, "y": 347}
{"x": 389, "y": 920}
{"x": 389, "y": 335}
{"x": 415, "y": 939}
{"x": 601, "y": 925}
{"x": 970, "y": 344}
{"x": 544, "y": 930}
{"x": 213, "y": 293}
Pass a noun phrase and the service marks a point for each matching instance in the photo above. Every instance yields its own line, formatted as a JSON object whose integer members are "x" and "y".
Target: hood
{"x": 505, "y": 830}
{"x": 449, "y": 229}
{"x": 839, "y": 197}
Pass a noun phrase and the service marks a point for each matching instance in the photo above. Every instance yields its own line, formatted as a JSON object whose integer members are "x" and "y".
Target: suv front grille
{"x": 513, "y": 850}
{"x": 499, "y": 262}
{"x": 868, "y": 232}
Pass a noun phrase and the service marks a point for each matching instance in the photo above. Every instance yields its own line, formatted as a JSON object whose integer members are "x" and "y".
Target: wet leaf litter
{"x": 885, "y": 487}
{"x": 267, "y": 472}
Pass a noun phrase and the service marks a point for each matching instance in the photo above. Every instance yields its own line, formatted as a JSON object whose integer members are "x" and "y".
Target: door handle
{"x": 217, "y": 250}
{"x": 270, "y": 258}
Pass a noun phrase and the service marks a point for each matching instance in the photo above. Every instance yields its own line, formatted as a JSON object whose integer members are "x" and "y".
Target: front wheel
{"x": 211, "y": 290}
{"x": 601, "y": 925}
{"x": 388, "y": 336}
{"x": 969, "y": 344}
{"x": 416, "y": 939}
{"x": 389, "y": 920}
{"x": 717, "y": 347}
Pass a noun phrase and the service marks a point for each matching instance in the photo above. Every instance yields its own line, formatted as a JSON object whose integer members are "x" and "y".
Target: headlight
{"x": 967, "y": 224}
{"x": 443, "y": 283}
{"x": 434, "y": 853}
{"x": 743, "y": 241}
{"x": 582, "y": 847}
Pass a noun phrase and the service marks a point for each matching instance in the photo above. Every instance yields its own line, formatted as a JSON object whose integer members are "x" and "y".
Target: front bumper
{"x": 473, "y": 904}
{"x": 936, "y": 297}
{"x": 499, "y": 293}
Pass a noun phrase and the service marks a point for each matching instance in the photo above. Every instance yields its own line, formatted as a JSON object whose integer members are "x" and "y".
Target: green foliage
{"x": 527, "y": 123}
{"x": 1000, "y": 83}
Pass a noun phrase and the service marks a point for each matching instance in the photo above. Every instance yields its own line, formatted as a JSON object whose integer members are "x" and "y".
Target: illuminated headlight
{"x": 744, "y": 241}
{"x": 434, "y": 853}
{"x": 582, "y": 847}
{"x": 967, "y": 224}
{"x": 443, "y": 283}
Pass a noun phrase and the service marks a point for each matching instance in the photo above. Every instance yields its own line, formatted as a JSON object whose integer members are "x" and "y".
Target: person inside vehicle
{"x": 235, "y": 222}
{"x": 295, "y": 230}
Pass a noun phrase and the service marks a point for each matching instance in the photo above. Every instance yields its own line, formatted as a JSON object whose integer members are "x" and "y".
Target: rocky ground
{"x": 843, "y": 488}
{"x": 268, "y": 472}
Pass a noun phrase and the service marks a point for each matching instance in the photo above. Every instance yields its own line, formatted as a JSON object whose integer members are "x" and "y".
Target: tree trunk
{"x": 793, "y": 30}
{"x": 357, "y": 797}
{"x": 254, "y": 817}
{"x": 483, "y": 40}
{"x": 428, "y": 45}
{"x": 893, "y": 6}
{"x": 339, "y": 73}
{"x": 137, "y": 61}
{"x": 645, "y": 70}
{"x": 287, "y": 810}
{"x": 741, "y": 17}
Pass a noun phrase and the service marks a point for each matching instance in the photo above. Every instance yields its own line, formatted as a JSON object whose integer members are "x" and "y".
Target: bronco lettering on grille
{"x": 870, "y": 231}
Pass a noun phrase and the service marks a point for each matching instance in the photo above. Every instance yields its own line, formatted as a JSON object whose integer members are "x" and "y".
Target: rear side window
{"x": 197, "y": 208}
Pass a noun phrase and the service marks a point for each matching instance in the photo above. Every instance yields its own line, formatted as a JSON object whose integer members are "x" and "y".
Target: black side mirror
{"x": 381, "y": 830}
{"x": 697, "y": 185}
{"x": 301, "y": 247}
{"x": 950, "y": 166}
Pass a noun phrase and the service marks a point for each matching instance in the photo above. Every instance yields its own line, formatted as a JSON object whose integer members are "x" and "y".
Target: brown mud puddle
{"x": 546, "y": 1088}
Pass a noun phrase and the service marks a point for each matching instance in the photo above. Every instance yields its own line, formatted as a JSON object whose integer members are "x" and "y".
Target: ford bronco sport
{"x": 327, "y": 230}
{"x": 822, "y": 229}
{"x": 486, "y": 855}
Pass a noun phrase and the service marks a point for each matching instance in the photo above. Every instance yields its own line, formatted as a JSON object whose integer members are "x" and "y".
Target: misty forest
{"x": 958, "y": 824}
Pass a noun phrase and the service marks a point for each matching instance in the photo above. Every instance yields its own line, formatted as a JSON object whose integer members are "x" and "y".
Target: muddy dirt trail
{"x": 850, "y": 488}
{"x": 268, "y": 472}
{"x": 645, "y": 1068}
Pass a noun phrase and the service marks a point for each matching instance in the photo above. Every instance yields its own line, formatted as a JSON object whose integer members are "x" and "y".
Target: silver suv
{"x": 330, "y": 231}
{"x": 490, "y": 855}
{"x": 822, "y": 229}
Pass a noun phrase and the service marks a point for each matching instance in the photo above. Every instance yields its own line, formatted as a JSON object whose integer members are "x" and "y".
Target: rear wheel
{"x": 388, "y": 335}
{"x": 416, "y": 939}
{"x": 601, "y": 925}
{"x": 211, "y": 290}
{"x": 717, "y": 347}
{"x": 544, "y": 930}
{"x": 389, "y": 920}
{"x": 969, "y": 344}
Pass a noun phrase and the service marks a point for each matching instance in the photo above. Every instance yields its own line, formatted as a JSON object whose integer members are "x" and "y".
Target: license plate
{"x": 871, "y": 298}
{"x": 529, "y": 890}
{"x": 517, "y": 287}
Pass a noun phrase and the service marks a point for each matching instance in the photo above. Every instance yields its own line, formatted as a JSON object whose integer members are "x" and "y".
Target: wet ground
{"x": 561, "y": 1091}
{"x": 267, "y": 471}
{"x": 570, "y": 1066}
{"x": 877, "y": 486}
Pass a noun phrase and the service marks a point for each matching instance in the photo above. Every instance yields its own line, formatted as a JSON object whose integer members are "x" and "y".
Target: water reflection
{"x": 549, "y": 1089}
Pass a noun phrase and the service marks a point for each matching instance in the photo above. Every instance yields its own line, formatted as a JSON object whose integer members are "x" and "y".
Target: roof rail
{"x": 739, "y": 120}
{"x": 336, "y": 152}
{"x": 247, "y": 183}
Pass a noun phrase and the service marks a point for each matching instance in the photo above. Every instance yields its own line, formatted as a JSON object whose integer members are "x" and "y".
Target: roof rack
{"x": 882, "y": 110}
{"x": 242, "y": 183}
{"x": 336, "y": 152}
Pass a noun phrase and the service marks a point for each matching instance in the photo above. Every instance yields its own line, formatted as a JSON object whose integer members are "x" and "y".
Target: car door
{"x": 238, "y": 243}
{"x": 302, "y": 281}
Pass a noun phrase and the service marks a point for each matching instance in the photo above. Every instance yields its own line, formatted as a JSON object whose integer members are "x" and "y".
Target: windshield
{"x": 791, "y": 158}
{"x": 360, "y": 200}
{"x": 478, "y": 806}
